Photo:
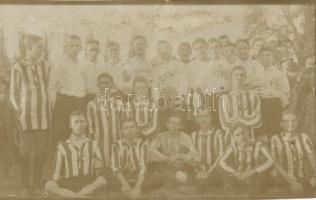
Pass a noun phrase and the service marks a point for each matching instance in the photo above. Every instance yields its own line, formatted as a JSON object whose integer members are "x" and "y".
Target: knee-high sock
{"x": 25, "y": 170}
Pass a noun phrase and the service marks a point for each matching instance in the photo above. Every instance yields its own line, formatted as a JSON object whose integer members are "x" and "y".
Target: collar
{"x": 130, "y": 143}
{"x": 288, "y": 137}
{"x": 209, "y": 132}
{"x": 248, "y": 148}
{"x": 83, "y": 138}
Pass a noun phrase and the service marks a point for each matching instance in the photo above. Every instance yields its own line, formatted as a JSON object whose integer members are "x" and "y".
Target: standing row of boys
{"x": 143, "y": 140}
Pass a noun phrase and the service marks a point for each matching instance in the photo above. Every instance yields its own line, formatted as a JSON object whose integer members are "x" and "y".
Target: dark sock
{"x": 25, "y": 171}
{"x": 38, "y": 170}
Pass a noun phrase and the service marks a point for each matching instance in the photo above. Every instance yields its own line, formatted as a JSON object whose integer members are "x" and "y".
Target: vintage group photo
{"x": 157, "y": 101}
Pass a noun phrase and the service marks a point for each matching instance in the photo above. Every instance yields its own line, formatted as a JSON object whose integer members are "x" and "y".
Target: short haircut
{"x": 223, "y": 37}
{"x": 175, "y": 115}
{"x": 77, "y": 113}
{"x": 263, "y": 49}
{"x": 184, "y": 44}
{"x": 92, "y": 41}
{"x": 110, "y": 44}
{"x": 141, "y": 79}
{"x": 163, "y": 41}
{"x": 30, "y": 40}
{"x": 73, "y": 37}
{"x": 214, "y": 40}
{"x": 105, "y": 75}
{"x": 230, "y": 44}
{"x": 199, "y": 40}
{"x": 238, "y": 67}
{"x": 125, "y": 120}
{"x": 239, "y": 125}
{"x": 245, "y": 41}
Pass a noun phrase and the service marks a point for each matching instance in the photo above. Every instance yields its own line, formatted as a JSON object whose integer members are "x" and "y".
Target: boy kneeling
{"x": 78, "y": 163}
{"x": 245, "y": 160}
{"x": 129, "y": 158}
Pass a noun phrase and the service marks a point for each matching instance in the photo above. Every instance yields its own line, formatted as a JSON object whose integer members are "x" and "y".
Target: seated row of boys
{"x": 173, "y": 158}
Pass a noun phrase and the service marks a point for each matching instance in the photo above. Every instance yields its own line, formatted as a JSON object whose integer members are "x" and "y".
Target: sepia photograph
{"x": 157, "y": 100}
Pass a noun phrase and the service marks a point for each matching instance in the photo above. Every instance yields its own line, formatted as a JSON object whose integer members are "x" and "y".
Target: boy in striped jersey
{"x": 245, "y": 160}
{"x": 294, "y": 156}
{"x": 29, "y": 97}
{"x": 239, "y": 105}
{"x": 209, "y": 142}
{"x": 129, "y": 158}
{"x": 103, "y": 115}
{"x": 172, "y": 153}
{"x": 78, "y": 164}
{"x": 142, "y": 108}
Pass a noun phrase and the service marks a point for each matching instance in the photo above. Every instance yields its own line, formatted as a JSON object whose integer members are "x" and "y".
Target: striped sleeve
{"x": 223, "y": 112}
{"x": 223, "y": 160}
{"x": 307, "y": 144}
{"x": 153, "y": 128}
{"x": 274, "y": 147}
{"x": 115, "y": 159}
{"x": 15, "y": 86}
{"x": 58, "y": 166}
{"x": 90, "y": 118}
{"x": 220, "y": 143}
{"x": 97, "y": 158}
{"x": 143, "y": 158}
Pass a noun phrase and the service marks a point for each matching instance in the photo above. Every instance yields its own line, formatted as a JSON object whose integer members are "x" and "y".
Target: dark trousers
{"x": 64, "y": 106}
{"x": 271, "y": 109}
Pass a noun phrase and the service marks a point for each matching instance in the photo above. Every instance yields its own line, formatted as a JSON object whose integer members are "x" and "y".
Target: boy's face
{"x": 239, "y": 76}
{"x": 113, "y": 52}
{"x": 73, "y": 47}
{"x": 129, "y": 130}
{"x": 164, "y": 49}
{"x": 266, "y": 58}
{"x": 78, "y": 124}
{"x": 184, "y": 51}
{"x": 243, "y": 50}
{"x": 215, "y": 49}
{"x": 141, "y": 89}
{"x": 204, "y": 118}
{"x": 224, "y": 40}
{"x": 310, "y": 62}
{"x": 241, "y": 135}
{"x": 229, "y": 52}
{"x": 139, "y": 46}
{"x": 92, "y": 52}
{"x": 174, "y": 124}
{"x": 257, "y": 45}
{"x": 289, "y": 122}
{"x": 36, "y": 50}
{"x": 104, "y": 83}
{"x": 200, "y": 49}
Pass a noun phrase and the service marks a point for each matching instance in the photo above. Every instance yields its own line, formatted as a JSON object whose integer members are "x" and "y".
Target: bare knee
{"x": 101, "y": 181}
{"x": 181, "y": 176}
{"x": 51, "y": 186}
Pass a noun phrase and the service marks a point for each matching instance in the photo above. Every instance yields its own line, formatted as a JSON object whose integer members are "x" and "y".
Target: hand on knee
{"x": 181, "y": 176}
{"x": 101, "y": 181}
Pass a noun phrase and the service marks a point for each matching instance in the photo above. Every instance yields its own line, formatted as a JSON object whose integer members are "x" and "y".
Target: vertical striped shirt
{"x": 73, "y": 161}
{"x": 210, "y": 146}
{"x": 144, "y": 113}
{"x": 290, "y": 153}
{"x": 104, "y": 126}
{"x": 237, "y": 159}
{"x": 29, "y": 94}
{"x": 129, "y": 158}
{"x": 243, "y": 106}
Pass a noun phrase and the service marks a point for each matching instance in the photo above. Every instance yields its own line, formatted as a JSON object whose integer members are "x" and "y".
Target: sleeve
{"x": 223, "y": 161}
{"x": 307, "y": 144}
{"x": 58, "y": 166}
{"x": 255, "y": 118}
{"x": 220, "y": 143}
{"x": 90, "y": 118}
{"x": 268, "y": 163}
{"x": 285, "y": 89}
{"x": 223, "y": 112}
{"x": 154, "y": 123}
{"x": 98, "y": 161}
{"x": 53, "y": 85}
{"x": 144, "y": 159}
{"x": 15, "y": 86}
{"x": 115, "y": 158}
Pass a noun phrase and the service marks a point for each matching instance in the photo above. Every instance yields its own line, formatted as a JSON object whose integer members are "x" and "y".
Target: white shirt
{"x": 255, "y": 72}
{"x": 276, "y": 85}
{"x": 116, "y": 71}
{"x": 196, "y": 70}
{"x": 67, "y": 79}
{"x": 91, "y": 71}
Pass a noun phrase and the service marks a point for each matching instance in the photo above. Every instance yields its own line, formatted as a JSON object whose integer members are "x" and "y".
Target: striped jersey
{"x": 104, "y": 126}
{"x": 29, "y": 94}
{"x": 72, "y": 161}
{"x": 128, "y": 158}
{"x": 241, "y": 106}
{"x": 144, "y": 113}
{"x": 291, "y": 153}
{"x": 210, "y": 146}
{"x": 254, "y": 156}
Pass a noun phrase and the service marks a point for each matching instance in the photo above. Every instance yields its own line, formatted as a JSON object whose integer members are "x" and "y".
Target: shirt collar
{"x": 209, "y": 132}
{"x": 249, "y": 148}
{"x": 130, "y": 143}
{"x": 84, "y": 139}
{"x": 287, "y": 137}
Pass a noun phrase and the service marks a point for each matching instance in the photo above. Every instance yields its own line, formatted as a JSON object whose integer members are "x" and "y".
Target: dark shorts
{"x": 33, "y": 142}
{"x": 76, "y": 183}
